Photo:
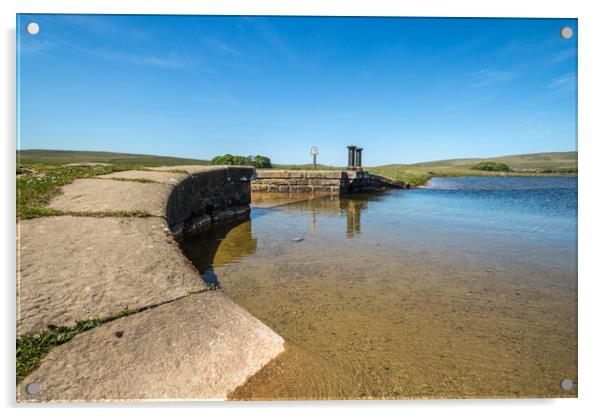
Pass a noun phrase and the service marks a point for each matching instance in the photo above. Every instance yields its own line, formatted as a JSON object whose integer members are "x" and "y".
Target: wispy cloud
{"x": 561, "y": 56}
{"x": 220, "y": 46}
{"x": 107, "y": 26}
{"x": 165, "y": 62}
{"x": 490, "y": 76}
{"x": 566, "y": 82}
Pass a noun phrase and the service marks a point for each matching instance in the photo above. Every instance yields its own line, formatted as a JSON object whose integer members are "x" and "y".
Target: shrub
{"x": 256, "y": 161}
{"x": 491, "y": 166}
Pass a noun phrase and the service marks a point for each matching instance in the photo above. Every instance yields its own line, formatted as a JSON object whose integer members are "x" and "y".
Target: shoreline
{"x": 139, "y": 292}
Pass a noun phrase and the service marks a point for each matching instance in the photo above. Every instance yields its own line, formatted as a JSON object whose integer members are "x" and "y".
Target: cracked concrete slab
{"x": 71, "y": 268}
{"x": 188, "y": 168}
{"x": 90, "y": 195}
{"x": 170, "y": 178}
{"x": 197, "y": 348}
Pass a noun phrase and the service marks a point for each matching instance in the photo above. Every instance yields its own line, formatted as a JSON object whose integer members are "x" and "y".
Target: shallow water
{"x": 463, "y": 289}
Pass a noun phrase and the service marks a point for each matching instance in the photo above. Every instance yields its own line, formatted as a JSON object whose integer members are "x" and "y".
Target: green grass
{"x": 38, "y": 183}
{"x": 417, "y": 174}
{"x": 413, "y": 177}
{"x": 32, "y": 348}
{"x": 63, "y": 157}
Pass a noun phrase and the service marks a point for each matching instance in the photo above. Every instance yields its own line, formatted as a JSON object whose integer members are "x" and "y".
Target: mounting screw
{"x": 566, "y": 384}
{"x": 33, "y": 28}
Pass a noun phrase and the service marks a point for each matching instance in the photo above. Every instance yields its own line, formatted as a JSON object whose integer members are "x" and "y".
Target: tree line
{"x": 257, "y": 161}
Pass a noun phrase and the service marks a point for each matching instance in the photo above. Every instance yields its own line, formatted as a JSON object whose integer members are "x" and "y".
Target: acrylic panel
{"x": 295, "y": 208}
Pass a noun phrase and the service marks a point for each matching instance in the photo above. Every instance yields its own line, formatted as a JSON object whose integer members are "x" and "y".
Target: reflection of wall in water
{"x": 238, "y": 243}
{"x": 220, "y": 245}
{"x": 351, "y": 207}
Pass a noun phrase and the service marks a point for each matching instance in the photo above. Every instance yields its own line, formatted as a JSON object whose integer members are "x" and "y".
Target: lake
{"x": 465, "y": 288}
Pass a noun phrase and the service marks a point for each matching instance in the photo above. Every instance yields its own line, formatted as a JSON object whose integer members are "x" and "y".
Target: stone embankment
{"x": 179, "y": 339}
{"x": 332, "y": 182}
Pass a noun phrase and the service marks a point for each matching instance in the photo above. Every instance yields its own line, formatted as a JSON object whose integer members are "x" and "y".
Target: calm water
{"x": 465, "y": 288}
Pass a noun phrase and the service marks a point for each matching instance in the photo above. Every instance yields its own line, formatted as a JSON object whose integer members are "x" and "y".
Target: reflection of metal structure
{"x": 314, "y": 152}
{"x": 354, "y": 214}
{"x": 354, "y": 159}
{"x": 351, "y": 208}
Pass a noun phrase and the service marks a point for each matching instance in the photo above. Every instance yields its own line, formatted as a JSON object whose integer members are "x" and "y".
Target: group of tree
{"x": 258, "y": 161}
{"x": 491, "y": 166}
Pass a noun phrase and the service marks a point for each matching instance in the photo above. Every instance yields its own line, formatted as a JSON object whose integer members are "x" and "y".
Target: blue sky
{"x": 406, "y": 89}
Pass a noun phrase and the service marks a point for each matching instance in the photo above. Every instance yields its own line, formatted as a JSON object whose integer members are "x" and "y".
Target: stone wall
{"x": 207, "y": 197}
{"x": 320, "y": 181}
{"x": 290, "y": 181}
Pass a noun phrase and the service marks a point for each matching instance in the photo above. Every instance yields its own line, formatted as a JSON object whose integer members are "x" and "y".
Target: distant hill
{"x": 550, "y": 160}
{"x": 529, "y": 164}
{"x": 61, "y": 157}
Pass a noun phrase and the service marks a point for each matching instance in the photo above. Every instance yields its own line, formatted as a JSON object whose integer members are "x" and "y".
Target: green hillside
{"x": 553, "y": 160}
{"x": 529, "y": 164}
{"x": 62, "y": 157}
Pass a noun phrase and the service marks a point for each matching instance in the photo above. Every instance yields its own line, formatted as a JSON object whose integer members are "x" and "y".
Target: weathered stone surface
{"x": 316, "y": 174}
{"x": 243, "y": 173}
{"x": 89, "y": 195}
{"x": 198, "y": 348}
{"x": 207, "y": 192}
{"x": 334, "y": 182}
{"x": 71, "y": 268}
{"x": 188, "y": 168}
{"x": 170, "y": 178}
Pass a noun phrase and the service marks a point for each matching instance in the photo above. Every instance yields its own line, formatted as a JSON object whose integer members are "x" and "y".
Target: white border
{"x": 590, "y": 209}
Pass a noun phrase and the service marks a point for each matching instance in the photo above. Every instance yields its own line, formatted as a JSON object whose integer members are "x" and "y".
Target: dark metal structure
{"x": 358, "y": 157}
{"x": 354, "y": 158}
{"x": 351, "y": 157}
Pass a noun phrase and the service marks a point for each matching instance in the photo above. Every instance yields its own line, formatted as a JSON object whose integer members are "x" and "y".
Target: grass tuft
{"x": 413, "y": 177}
{"x": 36, "y": 184}
{"x": 32, "y": 348}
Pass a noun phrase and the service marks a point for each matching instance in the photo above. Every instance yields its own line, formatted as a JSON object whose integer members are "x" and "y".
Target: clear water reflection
{"x": 464, "y": 289}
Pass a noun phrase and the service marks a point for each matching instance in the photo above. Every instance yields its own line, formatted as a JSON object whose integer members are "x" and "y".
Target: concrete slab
{"x": 188, "y": 168}
{"x": 198, "y": 348}
{"x": 71, "y": 268}
{"x": 87, "y": 195}
{"x": 170, "y": 178}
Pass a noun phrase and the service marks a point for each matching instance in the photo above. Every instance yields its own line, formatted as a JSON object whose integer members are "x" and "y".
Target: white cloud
{"x": 565, "y": 82}
{"x": 561, "y": 56}
{"x": 107, "y": 26}
{"x": 165, "y": 62}
{"x": 220, "y": 46}
{"x": 490, "y": 76}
